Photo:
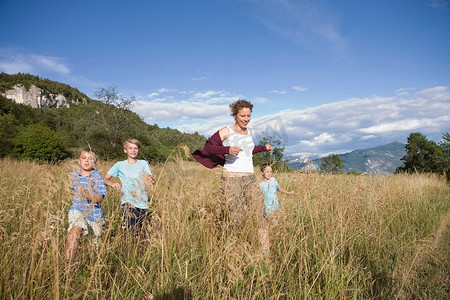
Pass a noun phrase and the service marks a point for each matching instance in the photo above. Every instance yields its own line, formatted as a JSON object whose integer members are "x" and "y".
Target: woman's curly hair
{"x": 238, "y": 105}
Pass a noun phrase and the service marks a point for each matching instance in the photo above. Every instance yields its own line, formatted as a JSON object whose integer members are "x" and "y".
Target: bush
{"x": 40, "y": 143}
{"x": 8, "y": 130}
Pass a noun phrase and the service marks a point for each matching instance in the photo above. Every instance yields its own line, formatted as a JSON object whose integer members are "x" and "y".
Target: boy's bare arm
{"x": 93, "y": 198}
{"x": 114, "y": 185}
{"x": 151, "y": 178}
{"x": 286, "y": 192}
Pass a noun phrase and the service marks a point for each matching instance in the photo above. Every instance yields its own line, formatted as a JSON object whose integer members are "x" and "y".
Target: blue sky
{"x": 324, "y": 76}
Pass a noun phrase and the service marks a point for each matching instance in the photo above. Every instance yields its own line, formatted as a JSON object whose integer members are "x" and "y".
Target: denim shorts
{"x": 134, "y": 218}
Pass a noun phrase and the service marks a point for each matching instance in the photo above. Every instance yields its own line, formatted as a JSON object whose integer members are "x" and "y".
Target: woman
{"x": 233, "y": 148}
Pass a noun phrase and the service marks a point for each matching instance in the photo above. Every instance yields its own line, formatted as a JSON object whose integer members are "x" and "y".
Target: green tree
{"x": 332, "y": 164}
{"x": 9, "y": 127}
{"x": 110, "y": 96}
{"x": 275, "y": 158}
{"x": 422, "y": 155}
{"x": 113, "y": 121}
{"x": 21, "y": 112}
{"x": 40, "y": 143}
{"x": 13, "y": 117}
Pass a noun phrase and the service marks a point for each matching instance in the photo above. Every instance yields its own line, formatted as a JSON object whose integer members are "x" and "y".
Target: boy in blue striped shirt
{"x": 86, "y": 213}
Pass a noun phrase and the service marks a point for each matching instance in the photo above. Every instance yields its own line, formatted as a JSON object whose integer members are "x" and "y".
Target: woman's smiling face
{"x": 243, "y": 117}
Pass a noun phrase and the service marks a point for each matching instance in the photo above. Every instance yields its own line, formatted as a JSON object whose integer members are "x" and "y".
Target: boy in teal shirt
{"x": 134, "y": 175}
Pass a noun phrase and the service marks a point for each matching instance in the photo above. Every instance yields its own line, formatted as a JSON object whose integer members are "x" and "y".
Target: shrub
{"x": 40, "y": 143}
{"x": 8, "y": 130}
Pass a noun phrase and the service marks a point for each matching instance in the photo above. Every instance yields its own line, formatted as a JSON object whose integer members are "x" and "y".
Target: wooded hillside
{"x": 52, "y": 134}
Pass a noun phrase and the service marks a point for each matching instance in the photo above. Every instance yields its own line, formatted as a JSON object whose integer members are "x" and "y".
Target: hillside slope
{"x": 83, "y": 123}
{"x": 378, "y": 160}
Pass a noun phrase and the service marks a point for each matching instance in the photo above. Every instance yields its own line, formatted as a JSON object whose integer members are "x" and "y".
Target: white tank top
{"x": 243, "y": 162}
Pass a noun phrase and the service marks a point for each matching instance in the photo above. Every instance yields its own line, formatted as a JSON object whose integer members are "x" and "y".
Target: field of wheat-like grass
{"x": 340, "y": 236}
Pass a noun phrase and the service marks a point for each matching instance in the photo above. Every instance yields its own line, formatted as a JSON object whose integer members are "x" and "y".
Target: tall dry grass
{"x": 339, "y": 237}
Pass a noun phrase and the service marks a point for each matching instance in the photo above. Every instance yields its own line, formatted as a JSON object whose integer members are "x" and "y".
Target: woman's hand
{"x": 234, "y": 150}
{"x": 269, "y": 148}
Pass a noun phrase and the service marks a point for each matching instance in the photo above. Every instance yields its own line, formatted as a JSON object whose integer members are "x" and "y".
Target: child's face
{"x": 86, "y": 161}
{"x": 267, "y": 173}
{"x": 131, "y": 150}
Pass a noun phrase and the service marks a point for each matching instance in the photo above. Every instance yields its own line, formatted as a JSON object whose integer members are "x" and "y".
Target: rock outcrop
{"x": 37, "y": 97}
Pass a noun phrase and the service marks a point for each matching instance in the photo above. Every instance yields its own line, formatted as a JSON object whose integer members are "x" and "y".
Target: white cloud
{"x": 299, "y": 88}
{"x": 12, "y": 61}
{"x": 439, "y": 4}
{"x": 403, "y": 91}
{"x": 438, "y": 93}
{"x": 320, "y": 139}
{"x": 51, "y": 63}
{"x": 209, "y": 127}
{"x": 161, "y": 112}
{"x": 164, "y": 90}
{"x": 354, "y": 123}
{"x": 199, "y": 78}
{"x": 153, "y": 95}
{"x": 260, "y": 100}
{"x": 213, "y": 97}
{"x": 170, "y": 105}
{"x": 13, "y": 67}
{"x": 403, "y": 125}
{"x": 206, "y": 94}
{"x": 368, "y": 137}
{"x": 360, "y": 122}
{"x": 161, "y": 95}
{"x": 278, "y": 92}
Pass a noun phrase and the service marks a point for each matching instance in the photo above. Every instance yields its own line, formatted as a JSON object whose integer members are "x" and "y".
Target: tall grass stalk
{"x": 341, "y": 236}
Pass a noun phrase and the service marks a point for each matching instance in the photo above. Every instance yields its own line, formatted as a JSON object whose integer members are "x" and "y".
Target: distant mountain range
{"x": 381, "y": 160}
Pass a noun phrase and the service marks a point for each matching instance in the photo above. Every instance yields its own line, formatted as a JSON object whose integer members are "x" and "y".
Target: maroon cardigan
{"x": 213, "y": 153}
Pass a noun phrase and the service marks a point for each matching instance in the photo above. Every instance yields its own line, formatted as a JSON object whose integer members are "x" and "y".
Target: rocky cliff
{"x": 37, "y": 97}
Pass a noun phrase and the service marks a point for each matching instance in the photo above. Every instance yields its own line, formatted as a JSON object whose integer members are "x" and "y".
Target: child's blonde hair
{"x": 132, "y": 141}
{"x": 91, "y": 152}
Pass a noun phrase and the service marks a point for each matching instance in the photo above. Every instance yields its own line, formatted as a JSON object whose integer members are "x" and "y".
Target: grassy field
{"x": 340, "y": 236}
